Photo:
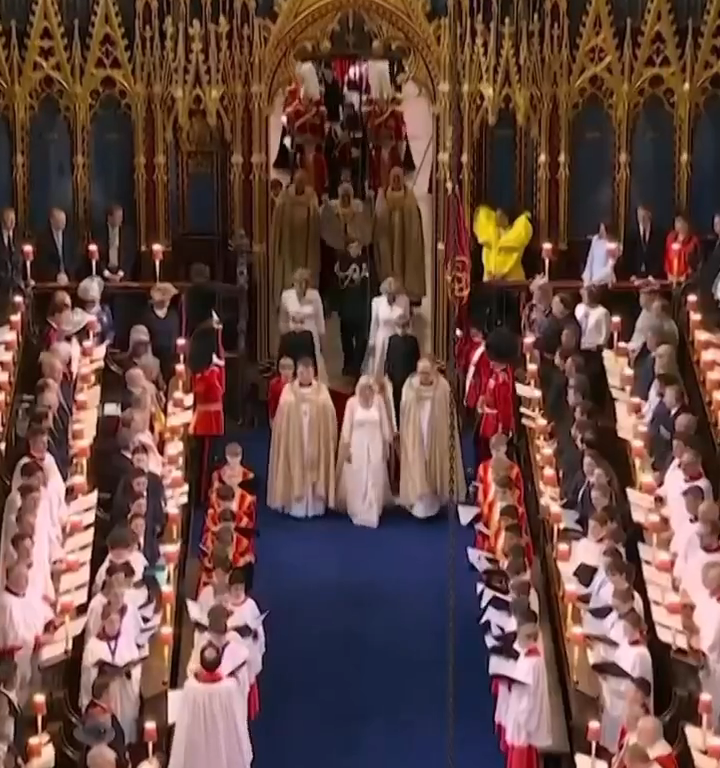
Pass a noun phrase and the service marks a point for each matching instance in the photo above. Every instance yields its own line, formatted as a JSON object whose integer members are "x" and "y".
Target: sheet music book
{"x": 676, "y": 639}
{"x": 646, "y": 552}
{"x": 526, "y": 391}
{"x": 609, "y": 669}
{"x": 640, "y": 499}
{"x": 196, "y": 613}
{"x": 480, "y": 561}
{"x": 467, "y": 513}
{"x": 112, "y": 409}
{"x": 84, "y": 503}
{"x": 73, "y": 580}
{"x": 79, "y": 540}
{"x": 56, "y": 650}
{"x": 662, "y": 617}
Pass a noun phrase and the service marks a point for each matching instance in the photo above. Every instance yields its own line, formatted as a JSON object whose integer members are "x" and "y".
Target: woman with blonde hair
{"x": 387, "y": 312}
{"x": 363, "y": 486}
{"x": 301, "y": 308}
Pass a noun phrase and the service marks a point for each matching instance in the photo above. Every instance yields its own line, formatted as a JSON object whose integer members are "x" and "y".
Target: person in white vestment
{"x": 302, "y": 467}
{"x": 303, "y": 306}
{"x": 633, "y": 657}
{"x": 212, "y": 723}
{"x": 122, "y": 548}
{"x": 594, "y": 320}
{"x": 428, "y": 435}
{"x": 114, "y": 652}
{"x": 386, "y": 312}
{"x": 706, "y": 617}
{"x": 246, "y": 620}
{"x": 26, "y": 622}
{"x": 600, "y": 262}
{"x": 101, "y": 756}
{"x": 528, "y": 725}
{"x": 363, "y": 485}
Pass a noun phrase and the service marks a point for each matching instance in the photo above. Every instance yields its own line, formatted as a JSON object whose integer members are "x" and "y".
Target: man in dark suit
{"x": 55, "y": 257}
{"x": 10, "y": 261}
{"x": 401, "y": 359}
{"x": 661, "y": 429}
{"x": 644, "y": 249}
{"x": 115, "y": 247}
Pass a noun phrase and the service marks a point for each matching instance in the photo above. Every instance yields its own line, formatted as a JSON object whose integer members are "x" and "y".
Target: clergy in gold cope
{"x": 295, "y": 235}
{"x": 301, "y": 473}
{"x": 428, "y": 433}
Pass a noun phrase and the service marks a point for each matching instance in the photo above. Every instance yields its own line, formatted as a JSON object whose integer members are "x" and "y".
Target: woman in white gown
{"x": 363, "y": 486}
{"x": 386, "y": 311}
{"x": 303, "y": 301}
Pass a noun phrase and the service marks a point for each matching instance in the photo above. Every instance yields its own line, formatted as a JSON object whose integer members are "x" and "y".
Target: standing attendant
{"x": 401, "y": 359}
{"x": 386, "y": 311}
{"x": 682, "y": 251}
{"x": 643, "y": 255}
{"x": 115, "y": 247}
{"x": 11, "y": 267}
{"x": 163, "y": 323}
{"x": 600, "y": 262}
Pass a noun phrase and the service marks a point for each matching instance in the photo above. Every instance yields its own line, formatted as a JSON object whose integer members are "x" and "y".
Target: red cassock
{"x": 499, "y": 407}
{"x": 208, "y": 389}
{"x": 275, "y": 389}
{"x": 315, "y": 167}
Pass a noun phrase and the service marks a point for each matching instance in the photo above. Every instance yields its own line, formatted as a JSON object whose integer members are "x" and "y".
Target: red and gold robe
{"x": 208, "y": 389}
{"x": 483, "y": 478}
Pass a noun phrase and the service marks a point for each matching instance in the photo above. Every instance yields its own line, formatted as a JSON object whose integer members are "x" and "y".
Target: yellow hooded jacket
{"x": 502, "y": 248}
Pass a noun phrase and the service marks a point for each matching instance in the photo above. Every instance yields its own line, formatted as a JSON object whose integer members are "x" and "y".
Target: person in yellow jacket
{"x": 503, "y": 244}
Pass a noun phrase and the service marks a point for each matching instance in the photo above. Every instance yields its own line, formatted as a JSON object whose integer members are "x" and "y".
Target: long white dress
{"x": 311, "y": 309}
{"x": 364, "y": 487}
{"x": 383, "y": 324}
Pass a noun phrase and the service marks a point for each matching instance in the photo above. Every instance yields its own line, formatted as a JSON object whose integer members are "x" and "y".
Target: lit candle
{"x": 664, "y": 562}
{"x": 542, "y": 427}
{"x": 695, "y": 321}
{"x": 181, "y": 346}
{"x": 93, "y": 255}
{"x": 72, "y": 563}
{"x": 563, "y": 552}
{"x": 157, "y": 256}
{"x": 556, "y": 514}
{"x": 39, "y": 705}
{"x": 616, "y": 328}
{"x": 547, "y": 249}
{"x": 675, "y": 262}
{"x": 622, "y": 349}
{"x": 673, "y": 604}
{"x": 28, "y": 254}
{"x": 18, "y": 302}
{"x": 166, "y": 637}
{"x": 150, "y": 735}
{"x": 180, "y": 371}
{"x": 547, "y": 457}
{"x": 593, "y": 733}
{"x": 15, "y": 321}
{"x": 549, "y": 477}
{"x": 532, "y": 372}
{"x": 713, "y": 747}
{"x": 648, "y": 485}
{"x": 627, "y": 377}
{"x": 637, "y": 448}
{"x": 692, "y": 302}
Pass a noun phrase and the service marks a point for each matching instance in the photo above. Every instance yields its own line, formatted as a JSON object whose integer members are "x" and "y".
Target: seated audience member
{"x": 90, "y": 294}
{"x": 60, "y": 305}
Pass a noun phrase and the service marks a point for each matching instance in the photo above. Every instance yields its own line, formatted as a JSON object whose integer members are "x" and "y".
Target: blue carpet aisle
{"x": 356, "y": 670}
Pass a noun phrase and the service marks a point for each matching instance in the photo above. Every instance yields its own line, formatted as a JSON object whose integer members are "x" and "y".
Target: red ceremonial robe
{"x": 275, "y": 389}
{"x": 208, "y": 389}
{"x": 499, "y": 407}
{"x": 483, "y": 478}
{"x": 476, "y": 372}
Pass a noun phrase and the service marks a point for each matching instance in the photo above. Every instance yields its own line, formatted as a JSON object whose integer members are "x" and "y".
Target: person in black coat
{"x": 55, "y": 255}
{"x": 116, "y": 249}
{"x": 11, "y": 267}
{"x": 138, "y": 481}
{"x": 644, "y": 252}
{"x": 661, "y": 430}
{"x": 297, "y": 342}
{"x": 706, "y": 278}
{"x": 401, "y": 359}
{"x": 163, "y": 323}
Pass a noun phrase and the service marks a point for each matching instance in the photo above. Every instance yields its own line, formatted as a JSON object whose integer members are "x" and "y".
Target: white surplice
{"x": 595, "y": 326}
{"x": 363, "y": 483}
{"x": 310, "y": 308}
{"x": 636, "y": 662}
{"x": 384, "y": 320}
{"x": 22, "y": 622}
{"x": 55, "y": 487}
{"x": 212, "y": 724}
{"x": 124, "y": 694}
{"x": 233, "y": 649}
{"x": 707, "y": 618}
{"x": 528, "y": 721}
{"x": 8, "y": 713}
{"x": 137, "y": 560}
{"x": 247, "y": 612}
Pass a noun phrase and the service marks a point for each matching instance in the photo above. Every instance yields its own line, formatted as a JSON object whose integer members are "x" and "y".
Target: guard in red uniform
{"x": 496, "y": 402}
{"x": 474, "y": 365}
{"x": 207, "y": 364}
